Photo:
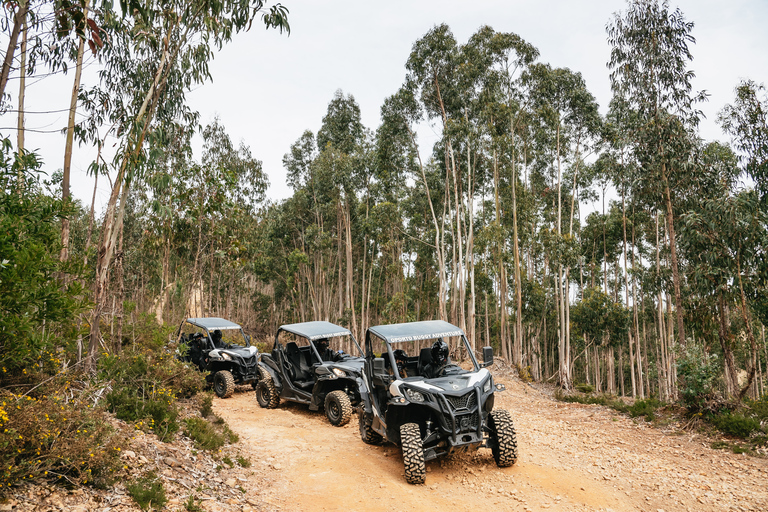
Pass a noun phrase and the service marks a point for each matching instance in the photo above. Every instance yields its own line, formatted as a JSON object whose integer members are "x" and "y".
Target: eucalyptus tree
{"x": 746, "y": 120}
{"x": 400, "y": 113}
{"x": 568, "y": 122}
{"x": 649, "y": 71}
{"x": 154, "y": 56}
{"x": 431, "y": 81}
{"x": 725, "y": 244}
{"x": 728, "y": 240}
{"x": 498, "y": 62}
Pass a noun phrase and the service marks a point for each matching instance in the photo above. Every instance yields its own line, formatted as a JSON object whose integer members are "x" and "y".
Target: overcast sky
{"x": 268, "y": 88}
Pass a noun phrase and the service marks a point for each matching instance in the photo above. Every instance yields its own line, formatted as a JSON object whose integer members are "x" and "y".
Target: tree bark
{"x": 70, "y": 141}
{"x": 18, "y": 21}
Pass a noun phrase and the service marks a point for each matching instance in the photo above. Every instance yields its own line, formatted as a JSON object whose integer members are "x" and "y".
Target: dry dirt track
{"x": 571, "y": 458}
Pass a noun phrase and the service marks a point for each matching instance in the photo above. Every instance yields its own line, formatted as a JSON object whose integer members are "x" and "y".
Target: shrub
{"x": 145, "y": 386}
{"x": 53, "y": 438}
{"x": 585, "y": 388}
{"x": 646, "y": 408}
{"x": 203, "y": 434}
{"x": 736, "y": 425}
{"x": 696, "y": 372}
{"x": 148, "y": 491}
{"x": 759, "y": 408}
{"x": 192, "y": 504}
{"x": 209, "y": 435}
{"x": 243, "y": 461}
{"x": 205, "y": 401}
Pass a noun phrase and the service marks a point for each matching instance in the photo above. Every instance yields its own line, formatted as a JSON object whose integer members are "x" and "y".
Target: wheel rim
{"x": 262, "y": 396}
{"x": 333, "y": 410}
{"x": 218, "y": 385}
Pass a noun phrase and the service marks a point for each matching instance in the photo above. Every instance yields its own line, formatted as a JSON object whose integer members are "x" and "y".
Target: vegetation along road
{"x": 573, "y": 457}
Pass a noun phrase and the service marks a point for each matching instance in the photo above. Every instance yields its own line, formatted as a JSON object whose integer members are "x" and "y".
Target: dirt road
{"x": 571, "y": 458}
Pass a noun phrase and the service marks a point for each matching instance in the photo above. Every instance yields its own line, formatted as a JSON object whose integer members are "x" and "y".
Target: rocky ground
{"x": 572, "y": 457}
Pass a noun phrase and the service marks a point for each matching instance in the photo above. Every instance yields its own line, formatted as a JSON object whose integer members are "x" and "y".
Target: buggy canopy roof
{"x": 315, "y": 330}
{"x": 213, "y": 323}
{"x": 413, "y": 331}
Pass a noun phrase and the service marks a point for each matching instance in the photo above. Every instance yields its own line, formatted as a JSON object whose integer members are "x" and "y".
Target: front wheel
{"x": 266, "y": 393}
{"x": 223, "y": 383}
{"x": 367, "y": 434}
{"x": 502, "y": 438}
{"x": 338, "y": 408}
{"x": 413, "y": 454}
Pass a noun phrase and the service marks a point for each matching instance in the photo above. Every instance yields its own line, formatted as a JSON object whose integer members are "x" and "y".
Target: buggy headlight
{"x": 487, "y": 386}
{"x": 338, "y": 372}
{"x": 226, "y": 356}
{"x": 414, "y": 396}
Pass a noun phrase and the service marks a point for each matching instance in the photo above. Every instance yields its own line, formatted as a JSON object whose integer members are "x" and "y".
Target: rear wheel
{"x": 266, "y": 393}
{"x": 338, "y": 408}
{"x": 223, "y": 383}
{"x": 413, "y": 454}
{"x": 367, "y": 434}
{"x": 502, "y": 438}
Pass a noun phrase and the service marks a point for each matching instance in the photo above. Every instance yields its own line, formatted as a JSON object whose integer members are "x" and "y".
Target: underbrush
{"x": 145, "y": 388}
{"x": 148, "y": 491}
{"x": 746, "y": 425}
{"x": 56, "y": 426}
{"x": 209, "y": 435}
{"x": 645, "y": 408}
{"x": 56, "y": 438}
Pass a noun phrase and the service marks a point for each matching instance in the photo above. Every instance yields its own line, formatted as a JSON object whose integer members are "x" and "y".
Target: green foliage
{"x": 599, "y": 318}
{"x": 585, "y": 388}
{"x": 193, "y": 504}
{"x": 38, "y": 297}
{"x": 206, "y": 436}
{"x": 245, "y": 463}
{"x": 736, "y": 425}
{"x": 55, "y": 438}
{"x": 646, "y": 408}
{"x": 696, "y": 371}
{"x": 746, "y": 120}
{"x": 145, "y": 388}
{"x": 148, "y": 491}
{"x": 205, "y": 404}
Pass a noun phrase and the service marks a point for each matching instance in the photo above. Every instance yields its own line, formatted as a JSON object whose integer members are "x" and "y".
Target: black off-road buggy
{"x": 430, "y": 417}
{"x": 295, "y": 371}
{"x": 222, "y": 349}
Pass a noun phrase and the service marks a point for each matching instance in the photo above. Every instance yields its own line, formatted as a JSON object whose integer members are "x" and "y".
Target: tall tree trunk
{"x": 679, "y": 311}
{"x": 750, "y": 334}
{"x": 22, "y": 86}
{"x": 18, "y": 22}
{"x": 70, "y": 141}
{"x": 117, "y": 341}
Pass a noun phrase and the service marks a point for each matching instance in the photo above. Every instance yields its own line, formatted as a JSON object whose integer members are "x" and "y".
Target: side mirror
{"x": 378, "y": 367}
{"x": 487, "y": 356}
{"x": 248, "y": 338}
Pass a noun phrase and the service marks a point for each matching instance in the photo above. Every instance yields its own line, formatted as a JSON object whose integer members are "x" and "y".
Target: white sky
{"x": 268, "y": 88}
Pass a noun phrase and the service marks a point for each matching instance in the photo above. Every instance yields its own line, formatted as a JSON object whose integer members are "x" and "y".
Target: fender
{"x": 272, "y": 373}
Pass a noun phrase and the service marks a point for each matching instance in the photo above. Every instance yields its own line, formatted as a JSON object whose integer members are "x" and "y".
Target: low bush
{"x": 203, "y": 434}
{"x": 646, "y": 408}
{"x": 205, "y": 404}
{"x": 735, "y": 424}
{"x": 145, "y": 388}
{"x": 209, "y": 435}
{"x": 50, "y": 437}
{"x": 148, "y": 492}
{"x": 585, "y": 388}
{"x": 697, "y": 371}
